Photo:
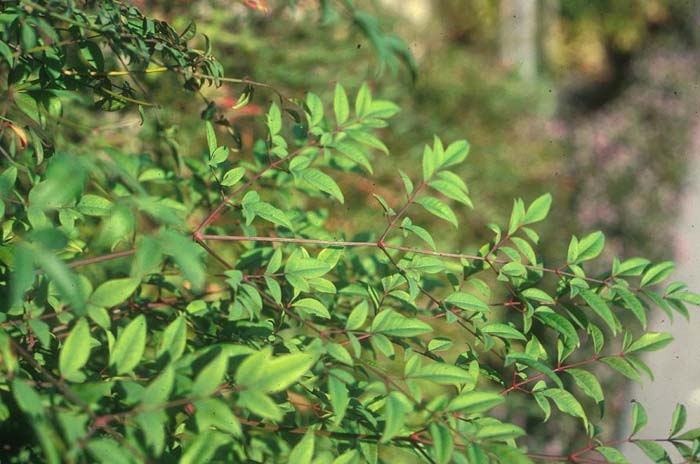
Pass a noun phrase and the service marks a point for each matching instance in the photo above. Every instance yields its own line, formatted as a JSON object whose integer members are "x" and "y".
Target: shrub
{"x": 201, "y": 307}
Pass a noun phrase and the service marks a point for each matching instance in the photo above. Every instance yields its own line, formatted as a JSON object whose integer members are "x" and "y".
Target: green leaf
{"x": 271, "y": 214}
{"x": 129, "y": 347}
{"x": 114, "y": 292}
{"x": 692, "y": 434}
{"x": 430, "y": 163}
{"x": 355, "y": 153}
{"x": 22, "y": 275}
{"x": 65, "y": 280}
{"x": 261, "y": 404}
{"x": 357, "y": 316}
{"x": 611, "y": 455}
{"x": 315, "y": 307}
{"x": 651, "y": 341}
{"x": 186, "y": 254}
{"x": 158, "y": 391}
{"x": 499, "y": 432}
{"x": 632, "y": 303}
{"x": 475, "y": 402}
{"x": 622, "y": 366}
{"x": 323, "y": 182}
{"x": 588, "y": 383}
{"x": 539, "y": 209}
{"x": 274, "y": 119}
{"x": 75, "y": 351}
{"x": 27, "y": 399}
{"x": 261, "y": 372}
{"x": 421, "y": 233}
{"x": 560, "y": 324}
{"x": 363, "y": 100}
{"x": 445, "y": 374}
{"x": 678, "y": 421}
{"x": 566, "y": 402}
{"x": 531, "y": 362}
{"x": 467, "y": 302}
{"x": 657, "y": 273}
{"x": 210, "y": 377}
{"x": 439, "y": 209}
{"x": 340, "y": 105}
{"x": 214, "y": 413}
{"x": 598, "y": 305}
{"x": 455, "y": 153}
{"x": 94, "y": 205}
{"x": 537, "y": 295}
{"x": 590, "y": 246}
{"x": 394, "y": 415}
{"x": 393, "y": 324}
{"x": 654, "y": 451}
{"x": 174, "y": 339}
{"x": 315, "y": 106}
{"x": 639, "y": 418}
{"x": 211, "y": 138}
{"x": 233, "y": 176}
{"x": 339, "y": 397}
{"x": 443, "y": 443}
{"x": 503, "y": 331}
{"x": 382, "y": 109}
{"x": 339, "y": 353}
{"x": 303, "y": 452}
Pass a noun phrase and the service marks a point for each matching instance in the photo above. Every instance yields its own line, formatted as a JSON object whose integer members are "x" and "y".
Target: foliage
{"x": 204, "y": 307}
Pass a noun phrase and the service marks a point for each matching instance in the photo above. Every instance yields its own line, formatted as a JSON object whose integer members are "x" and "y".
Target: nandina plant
{"x": 201, "y": 307}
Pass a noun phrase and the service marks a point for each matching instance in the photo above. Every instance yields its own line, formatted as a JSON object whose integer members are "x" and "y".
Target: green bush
{"x": 196, "y": 307}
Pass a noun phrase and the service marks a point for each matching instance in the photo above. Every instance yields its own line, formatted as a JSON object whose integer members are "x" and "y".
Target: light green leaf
{"x": 622, "y": 366}
{"x": 475, "y": 401}
{"x": 323, "y": 182}
{"x": 232, "y": 176}
{"x": 158, "y": 391}
{"x": 678, "y": 420}
{"x": 363, "y": 100}
{"x": 566, "y": 402}
{"x": 303, "y": 452}
{"x": 531, "y": 362}
{"x": 75, "y": 351}
{"x": 210, "y": 377}
{"x": 312, "y": 306}
{"x": 211, "y": 137}
{"x": 274, "y": 119}
{"x": 467, "y": 302}
{"x": 590, "y": 246}
{"x": 262, "y": 372}
{"x": 539, "y": 209}
{"x": 393, "y": 324}
{"x": 340, "y": 105}
{"x": 600, "y": 307}
{"x": 654, "y": 451}
{"x": 357, "y": 316}
{"x": 94, "y": 205}
{"x": 174, "y": 339}
{"x": 395, "y": 416}
{"x": 129, "y": 347}
{"x": 588, "y": 383}
{"x": 339, "y": 396}
{"x": 214, "y": 413}
{"x": 651, "y": 341}
{"x": 657, "y": 273}
{"x": 446, "y": 374}
{"x": 443, "y": 443}
{"x": 499, "y": 432}
{"x": 114, "y": 292}
{"x": 503, "y": 331}
{"x": 455, "y": 153}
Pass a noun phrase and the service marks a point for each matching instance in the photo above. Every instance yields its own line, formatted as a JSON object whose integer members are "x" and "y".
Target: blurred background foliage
{"x": 595, "y": 103}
